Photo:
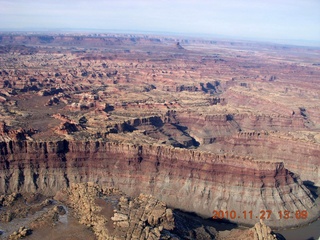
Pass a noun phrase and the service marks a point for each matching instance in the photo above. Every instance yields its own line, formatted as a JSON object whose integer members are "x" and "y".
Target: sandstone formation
{"x": 21, "y": 233}
{"x": 201, "y": 125}
{"x": 141, "y": 218}
{"x": 259, "y": 232}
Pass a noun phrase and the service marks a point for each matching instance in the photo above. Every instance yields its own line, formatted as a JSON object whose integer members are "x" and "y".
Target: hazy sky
{"x": 268, "y": 19}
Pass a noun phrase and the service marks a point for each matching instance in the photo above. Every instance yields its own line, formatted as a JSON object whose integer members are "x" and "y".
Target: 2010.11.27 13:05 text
{"x": 263, "y": 214}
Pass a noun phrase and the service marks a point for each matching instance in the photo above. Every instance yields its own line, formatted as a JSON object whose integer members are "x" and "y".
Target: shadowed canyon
{"x": 203, "y": 126}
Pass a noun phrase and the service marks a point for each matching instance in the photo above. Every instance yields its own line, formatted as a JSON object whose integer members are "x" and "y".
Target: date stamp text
{"x": 263, "y": 214}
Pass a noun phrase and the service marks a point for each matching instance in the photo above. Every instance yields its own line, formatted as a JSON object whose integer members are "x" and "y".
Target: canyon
{"x": 200, "y": 125}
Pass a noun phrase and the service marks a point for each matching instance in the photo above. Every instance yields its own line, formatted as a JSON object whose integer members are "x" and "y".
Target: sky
{"x": 257, "y": 19}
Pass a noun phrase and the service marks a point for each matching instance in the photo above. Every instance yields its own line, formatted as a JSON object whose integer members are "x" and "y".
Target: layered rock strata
{"x": 186, "y": 179}
{"x": 273, "y": 146}
{"x": 242, "y": 135}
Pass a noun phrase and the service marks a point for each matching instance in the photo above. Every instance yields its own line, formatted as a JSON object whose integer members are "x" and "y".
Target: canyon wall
{"x": 190, "y": 180}
{"x": 300, "y": 157}
{"x": 243, "y": 135}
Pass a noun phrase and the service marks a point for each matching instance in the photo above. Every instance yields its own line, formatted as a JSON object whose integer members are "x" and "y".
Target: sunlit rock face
{"x": 190, "y": 180}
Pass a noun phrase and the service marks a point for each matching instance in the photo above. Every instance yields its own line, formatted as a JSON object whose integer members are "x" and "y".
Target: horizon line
{"x": 292, "y": 42}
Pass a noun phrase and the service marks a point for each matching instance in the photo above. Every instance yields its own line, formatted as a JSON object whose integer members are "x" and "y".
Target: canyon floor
{"x": 205, "y": 127}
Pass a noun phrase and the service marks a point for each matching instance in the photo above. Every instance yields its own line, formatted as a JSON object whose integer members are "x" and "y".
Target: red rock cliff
{"x": 190, "y": 180}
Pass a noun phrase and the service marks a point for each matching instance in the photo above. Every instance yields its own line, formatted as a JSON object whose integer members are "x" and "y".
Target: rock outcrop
{"x": 259, "y": 232}
{"x": 143, "y": 217}
{"x": 21, "y": 233}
